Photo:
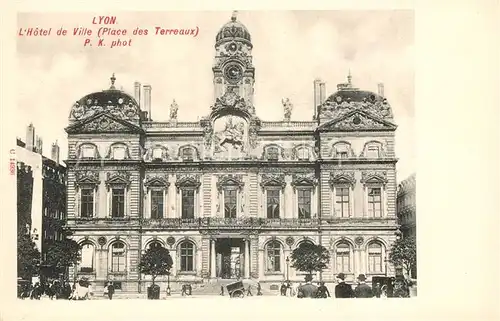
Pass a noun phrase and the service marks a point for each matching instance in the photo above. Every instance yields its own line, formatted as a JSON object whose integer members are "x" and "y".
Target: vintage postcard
{"x": 215, "y": 156}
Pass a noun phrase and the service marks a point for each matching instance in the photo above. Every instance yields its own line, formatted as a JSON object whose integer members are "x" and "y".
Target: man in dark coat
{"x": 323, "y": 291}
{"x": 307, "y": 290}
{"x": 342, "y": 289}
{"x": 111, "y": 290}
{"x": 363, "y": 290}
{"x": 377, "y": 290}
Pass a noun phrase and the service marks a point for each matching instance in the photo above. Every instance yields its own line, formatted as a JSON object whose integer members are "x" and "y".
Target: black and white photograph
{"x": 252, "y": 155}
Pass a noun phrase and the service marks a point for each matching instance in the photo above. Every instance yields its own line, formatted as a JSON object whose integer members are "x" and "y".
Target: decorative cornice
{"x": 118, "y": 178}
{"x": 343, "y": 177}
{"x": 152, "y": 181}
{"x": 277, "y": 180}
{"x": 87, "y": 178}
{"x": 187, "y": 180}
{"x": 378, "y": 177}
{"x": 230, "y": 180}
{"x": 304, "y": 179}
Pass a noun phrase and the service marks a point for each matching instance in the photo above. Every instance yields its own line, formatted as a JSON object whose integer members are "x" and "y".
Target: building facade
{"x": 406, "y": 210}
{"x": 231, "y": 195}
{"x": 41, "y": 191}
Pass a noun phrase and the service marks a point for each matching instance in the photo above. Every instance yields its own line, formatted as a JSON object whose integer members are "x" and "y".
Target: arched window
{"x": 375, "y": 258}
{"x": 343, "y": 257}
{"x": 155, "y": 244}
{"x": 274, "y": 256}
{"x": 187, "y": 257}
{"x": 87, "y": 258}
{"x": 341, "y": 150}
{"x": 118, "y": 257}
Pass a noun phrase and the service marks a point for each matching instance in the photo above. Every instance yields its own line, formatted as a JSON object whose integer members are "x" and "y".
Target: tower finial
{"x": 233, "y": 17}
{"x": 113, "y": 79}
{"x": 349, "y": 77}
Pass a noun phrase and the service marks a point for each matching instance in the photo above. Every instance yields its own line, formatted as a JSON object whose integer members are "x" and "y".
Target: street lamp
{"x": 168, "y": 283}
{"x": 287, "y": 268}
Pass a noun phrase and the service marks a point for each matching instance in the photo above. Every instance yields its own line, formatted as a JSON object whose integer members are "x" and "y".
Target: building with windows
{"x": 406, "y": 209}
{"x": 231, "y": 195}
{"x": 41, "y": 191}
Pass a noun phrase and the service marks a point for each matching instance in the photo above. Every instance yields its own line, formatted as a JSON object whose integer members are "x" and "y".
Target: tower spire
{"x": 113, "y": 79}
{"x": 233, "y": 17}
{"x": 349, "y": 77}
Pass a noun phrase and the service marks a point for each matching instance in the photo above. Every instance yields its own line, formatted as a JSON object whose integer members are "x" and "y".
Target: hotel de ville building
{"x": 231, "y": 195}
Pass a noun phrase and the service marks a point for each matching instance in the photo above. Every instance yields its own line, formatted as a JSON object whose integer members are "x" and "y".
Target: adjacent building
{"x": 407, "y": 209}
{"x": 231, "y": 195}
{"x": 41, "y": 190}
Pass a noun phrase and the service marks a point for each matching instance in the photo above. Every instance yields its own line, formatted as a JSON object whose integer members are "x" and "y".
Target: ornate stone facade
{"x": 231, "y": 195}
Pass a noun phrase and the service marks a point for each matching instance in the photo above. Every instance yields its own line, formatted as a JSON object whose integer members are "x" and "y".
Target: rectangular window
{"x": 87, "y": 202}
{"x": 157, "y": 204}
{"x": 342, "y": 201}
{"x": 304, "y": 203}
{"x": 342, "y": 155}
{"x": 188, "y": 203}
{"x": 118, "y": 258}
{"x": 303, "y": 154}
{"x": 157, "y": 153}
{"x": 373, "y": 152}
{"x": 272, "y": 154}
{"x": 88, "y": 152}
{"x": 187, "y": 154}
{"x": 343, "y": 259}
{"x": 118, "y": 202}
{"x": 119, "y": 153}
{"x": 230, "y": 203}
{"x": 273, "y": 203}
{"x": 375, "y": 202}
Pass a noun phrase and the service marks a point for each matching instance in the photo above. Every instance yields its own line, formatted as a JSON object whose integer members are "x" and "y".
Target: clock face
{"x": 232, "y": 47}
{"x": 233, "y": 73}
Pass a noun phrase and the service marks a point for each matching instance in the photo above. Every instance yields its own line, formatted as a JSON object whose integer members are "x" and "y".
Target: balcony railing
{"x": 249, "y": 222}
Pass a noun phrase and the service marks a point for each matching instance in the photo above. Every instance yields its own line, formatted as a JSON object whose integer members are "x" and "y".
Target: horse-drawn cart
{"x": 236, "y": 289}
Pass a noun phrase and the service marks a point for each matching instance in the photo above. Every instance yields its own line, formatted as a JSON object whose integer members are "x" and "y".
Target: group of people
{"x": 398, "y": 287}
{"x": 62, "y": 290}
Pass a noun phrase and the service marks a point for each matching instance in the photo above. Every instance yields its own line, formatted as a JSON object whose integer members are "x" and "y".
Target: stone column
{"x": 247, "y": 259}
{"x": 213, "y": 273}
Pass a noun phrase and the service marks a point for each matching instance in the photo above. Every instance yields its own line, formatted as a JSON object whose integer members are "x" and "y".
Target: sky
{"x": 291, "y": 49}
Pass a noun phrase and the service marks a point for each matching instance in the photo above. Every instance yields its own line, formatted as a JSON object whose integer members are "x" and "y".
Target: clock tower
{"x": 233, "y": 69}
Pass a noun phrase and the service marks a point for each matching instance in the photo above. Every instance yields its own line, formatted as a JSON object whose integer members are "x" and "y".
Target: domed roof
{"x": 347, "y": 93}
{"x": 112, "y": 100}
{"x": 233, "y": 31}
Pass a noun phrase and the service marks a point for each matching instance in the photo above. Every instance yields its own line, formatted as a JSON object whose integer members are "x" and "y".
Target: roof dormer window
{"x": 187, "y": 155}
{"x": 272, "y": 154}
{"x": 373, "y": 151}
{"x": 88, "y": 151}
{"x": 157, "y": 154}
{"x": 119, "y": 152}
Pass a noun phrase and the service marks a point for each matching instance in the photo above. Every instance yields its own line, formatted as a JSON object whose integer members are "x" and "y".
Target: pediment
{"x": 156, "y": 181}
{"x": 103, "y": 123}
{"x": 357, "y": 120}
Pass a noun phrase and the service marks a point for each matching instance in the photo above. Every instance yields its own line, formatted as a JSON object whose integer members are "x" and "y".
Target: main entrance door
{"x": 230, "y": 258}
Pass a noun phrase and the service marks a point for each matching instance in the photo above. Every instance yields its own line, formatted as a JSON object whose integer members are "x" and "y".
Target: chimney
{"x": 147, "y": 100}
{"x": 381, "y": 89}
{"x": 30, "y": 137}
{"x": 39, "y": 145}
{"x": 137, "y": 92}
{"x": 322, "y": 92}
{"x": 55, "y": 152}
{"x": 317, "y": 96}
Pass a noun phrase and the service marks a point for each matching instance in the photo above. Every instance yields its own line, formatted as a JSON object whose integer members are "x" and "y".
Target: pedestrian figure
{"x": 283, "y": 289}
{"x": 222, "y": 290}
{"x": 249, "y": 291}
{"x": 183, "y": 293}
{"x": 307, "y": 290}
{"x": 259, "y": 293}
{"x": 111, "y": 290}
{"x": 342, "y": 289}
{"x": 323, "y": 291}
{"x": 105, "y": 289}
{"x": 363, "y": 290}
{"x": 377, "y": 291}
{"x": 383, "y": 291}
